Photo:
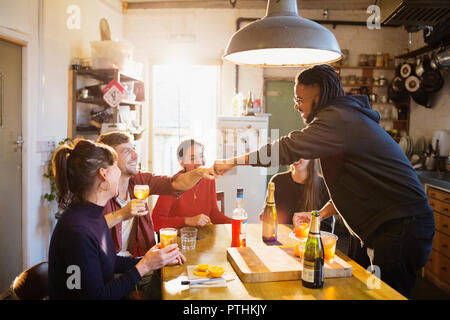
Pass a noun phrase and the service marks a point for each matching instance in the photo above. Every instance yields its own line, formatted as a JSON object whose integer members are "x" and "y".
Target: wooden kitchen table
{"x": 212, "y": 249}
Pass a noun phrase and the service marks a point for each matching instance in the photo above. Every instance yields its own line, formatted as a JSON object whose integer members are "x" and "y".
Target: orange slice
{"x": 216, "y": 271}
{"x": 202, "y": 267}
{"x": 202, "y": 274}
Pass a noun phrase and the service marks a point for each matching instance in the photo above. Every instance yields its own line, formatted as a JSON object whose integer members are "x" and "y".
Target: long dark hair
{"x": 75, "y": 168}
{"x": 328, "y": 81}
{"x": 311, "y": 199}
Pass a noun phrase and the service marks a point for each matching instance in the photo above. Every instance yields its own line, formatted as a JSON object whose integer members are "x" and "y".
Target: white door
{"x": 10, "y": 162}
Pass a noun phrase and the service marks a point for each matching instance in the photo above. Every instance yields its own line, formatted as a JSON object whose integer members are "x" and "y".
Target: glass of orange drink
{"x": 299, "y": 247}
{"x": 329, "y": 245}
{"x": 141, "y": 191}
{"x": 167, "y": 236}
{"x": 301, "y": 230}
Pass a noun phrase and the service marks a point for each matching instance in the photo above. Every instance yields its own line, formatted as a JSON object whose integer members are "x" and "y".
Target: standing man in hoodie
{"x": 371, "y": 183}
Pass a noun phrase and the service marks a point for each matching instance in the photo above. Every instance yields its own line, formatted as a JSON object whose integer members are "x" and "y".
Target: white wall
{"x": 46, "y": 64}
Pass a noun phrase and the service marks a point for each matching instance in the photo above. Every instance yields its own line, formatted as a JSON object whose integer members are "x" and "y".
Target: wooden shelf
{"x": 90, "y": 130}
{"x": 366, "y": 67}
{"x": 131, "y": 102}
{"x": 364, "y": 85}
{"x": 101, "y": 102}
{"x": 106, "y": 75}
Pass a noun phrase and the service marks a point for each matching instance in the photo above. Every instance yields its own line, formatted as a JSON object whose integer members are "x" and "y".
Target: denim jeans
{"x": 401, "y": 248}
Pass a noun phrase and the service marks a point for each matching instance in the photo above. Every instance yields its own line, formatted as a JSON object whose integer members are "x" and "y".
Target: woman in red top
{"x": 196, "y": 207}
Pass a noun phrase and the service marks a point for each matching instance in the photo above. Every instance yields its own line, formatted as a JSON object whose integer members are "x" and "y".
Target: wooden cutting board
{"x": 273, "y": 263}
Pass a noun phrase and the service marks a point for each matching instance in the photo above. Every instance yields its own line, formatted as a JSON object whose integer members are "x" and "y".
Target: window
{"x": 184, "y": 106}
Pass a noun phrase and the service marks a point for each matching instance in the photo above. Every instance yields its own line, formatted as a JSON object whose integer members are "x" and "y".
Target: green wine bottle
{"x": 313, "y": 258}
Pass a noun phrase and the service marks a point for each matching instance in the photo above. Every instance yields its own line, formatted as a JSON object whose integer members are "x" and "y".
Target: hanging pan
{"x": 415, "y": 88}
{"x": 440, "y": 60}
{"x": 422, "y": 98}
{"x": 422, "y": 65}
{"x": 431, "y": 81}
{"x": 396, "y": 91}
{"x": 406, "y": 70}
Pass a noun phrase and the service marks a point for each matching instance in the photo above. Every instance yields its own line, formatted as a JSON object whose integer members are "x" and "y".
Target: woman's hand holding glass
{"x": 156, "y": 258}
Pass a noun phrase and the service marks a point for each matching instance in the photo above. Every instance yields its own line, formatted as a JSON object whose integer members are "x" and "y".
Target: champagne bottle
{"x": 235, "y": 103}
{"x": 249, "y": 106}
{"x": 269, "y": 218}
{"x": 313, "y": 258}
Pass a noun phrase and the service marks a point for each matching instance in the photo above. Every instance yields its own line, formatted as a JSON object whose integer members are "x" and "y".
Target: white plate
{"x": 403, "y": 144}
{"x": 421, "y": 145}
{"x": 411, "y": 147}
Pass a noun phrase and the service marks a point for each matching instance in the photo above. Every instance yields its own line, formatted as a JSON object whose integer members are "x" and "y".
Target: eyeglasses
{"x": 299, "y": 101}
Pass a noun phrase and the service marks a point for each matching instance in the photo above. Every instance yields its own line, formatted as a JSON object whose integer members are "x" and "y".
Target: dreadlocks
{"x": 328, "y": 81}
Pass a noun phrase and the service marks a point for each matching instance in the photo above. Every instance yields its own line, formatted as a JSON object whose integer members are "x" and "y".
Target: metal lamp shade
{"x": 282, "y": 38}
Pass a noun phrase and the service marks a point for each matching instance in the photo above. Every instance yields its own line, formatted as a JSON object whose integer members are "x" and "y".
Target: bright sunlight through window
{"x": 185, "y": 101}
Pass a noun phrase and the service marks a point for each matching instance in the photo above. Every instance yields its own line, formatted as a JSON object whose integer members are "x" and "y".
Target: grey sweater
{"x": 368, "y": 177}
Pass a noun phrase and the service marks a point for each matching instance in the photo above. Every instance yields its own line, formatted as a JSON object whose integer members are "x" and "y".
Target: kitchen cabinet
{"x": 89, "y": 115}
{"x": 437, "y": 269}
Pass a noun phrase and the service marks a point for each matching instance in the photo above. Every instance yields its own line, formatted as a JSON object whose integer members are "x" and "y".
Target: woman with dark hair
{"x": 82, "y": 256}
{"x": 196, "y": 207}
{"x": 371, "y": 182}
{"x": 300, "y": 189}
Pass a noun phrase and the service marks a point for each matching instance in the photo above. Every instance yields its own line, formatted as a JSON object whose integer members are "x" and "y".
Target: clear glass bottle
{"x": 249, "y": 107}
{"x": 239, "y": 222}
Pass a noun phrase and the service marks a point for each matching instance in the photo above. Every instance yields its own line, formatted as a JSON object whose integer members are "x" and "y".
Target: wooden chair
{"x": 32, "y": 284}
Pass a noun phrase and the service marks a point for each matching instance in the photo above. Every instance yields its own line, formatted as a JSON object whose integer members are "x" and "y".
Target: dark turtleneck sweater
{"x": 82, "y": 239}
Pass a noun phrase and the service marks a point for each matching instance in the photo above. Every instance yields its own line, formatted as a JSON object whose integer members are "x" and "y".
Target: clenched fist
{"x": 222, "y": 166}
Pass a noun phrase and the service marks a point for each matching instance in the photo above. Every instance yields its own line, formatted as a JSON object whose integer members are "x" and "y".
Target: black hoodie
{"x": 369, "y": 178}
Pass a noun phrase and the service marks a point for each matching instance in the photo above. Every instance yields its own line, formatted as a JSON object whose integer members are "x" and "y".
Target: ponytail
{"x": 59, "y": 167}
{"x": 75, "y": 168}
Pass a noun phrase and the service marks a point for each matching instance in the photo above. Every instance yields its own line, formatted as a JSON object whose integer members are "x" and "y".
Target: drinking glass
{"x": 301, "y": 230}
{"x": 167, "y": 236}
{"x": 329, "y": 245}
{"x": 299, "y": 248}
{"x": 188, "y": 238}
{"x": 141, "y": 191}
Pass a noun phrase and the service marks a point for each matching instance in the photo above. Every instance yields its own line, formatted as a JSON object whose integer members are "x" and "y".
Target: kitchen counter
{"x": 212, "y": 249}
{"x": 441, "y": 180}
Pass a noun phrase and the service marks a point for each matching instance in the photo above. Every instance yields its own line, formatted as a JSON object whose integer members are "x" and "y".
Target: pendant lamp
{"x": 282, "y": 39}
